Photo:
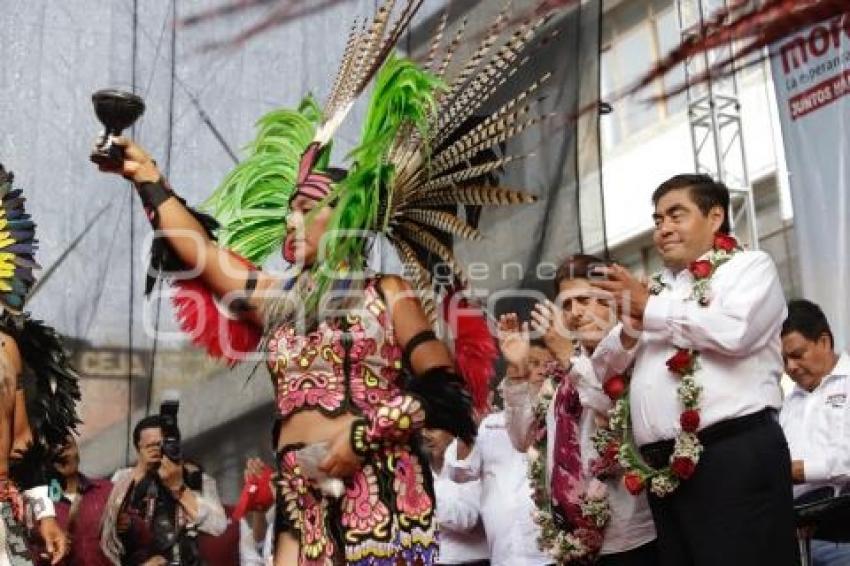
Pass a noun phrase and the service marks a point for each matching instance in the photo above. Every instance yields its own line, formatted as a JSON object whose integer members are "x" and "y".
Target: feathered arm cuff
{"x": 222, "y": 334}
{"x": 436, "y": 399}
{"x": 163, "y": 258}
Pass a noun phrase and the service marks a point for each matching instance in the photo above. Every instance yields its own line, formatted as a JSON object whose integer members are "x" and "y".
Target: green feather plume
{"x": 402, "y": 101}
{"x": 251, "y": 203}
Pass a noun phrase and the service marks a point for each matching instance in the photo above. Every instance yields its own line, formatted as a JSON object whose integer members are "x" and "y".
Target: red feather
{"x": 475, "y": 348}
{"x": 200, "y": 316}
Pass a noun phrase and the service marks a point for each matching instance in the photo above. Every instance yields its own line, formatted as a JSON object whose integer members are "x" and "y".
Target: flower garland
{"x": 583, "y": 540}
{"x": 614, "y": 444}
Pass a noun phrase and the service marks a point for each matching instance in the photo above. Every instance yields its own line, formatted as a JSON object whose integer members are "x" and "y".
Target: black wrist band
{"x": 154, "y": 194}
{"x": 419, "y": 339}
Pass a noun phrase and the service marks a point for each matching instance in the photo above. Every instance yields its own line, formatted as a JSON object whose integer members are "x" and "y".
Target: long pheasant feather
{"x": 476, "y": 195}
{"x": 443, "y": 221}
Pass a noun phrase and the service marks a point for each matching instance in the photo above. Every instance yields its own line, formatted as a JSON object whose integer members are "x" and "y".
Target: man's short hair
{"x": 704, "y": 191}
{"x": 577, "y": 266}
{"x": 808, "y": 319}
{"x": 151, "y": 421}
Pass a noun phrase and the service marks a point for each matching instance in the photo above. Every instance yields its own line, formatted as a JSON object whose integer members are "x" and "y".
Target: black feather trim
{"x": 447, "y": 403}
{"x": 27, "y": 467}
{"x": 50, "y": 382}
{"x": 163, "y": 258}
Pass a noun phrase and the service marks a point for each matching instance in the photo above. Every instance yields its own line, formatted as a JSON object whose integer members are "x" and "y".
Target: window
{"x": 669, "y": 36}
{"x": 636, "y": 35}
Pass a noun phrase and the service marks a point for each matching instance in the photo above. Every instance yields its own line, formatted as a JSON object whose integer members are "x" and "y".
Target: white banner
{"x": 811, "y": 72}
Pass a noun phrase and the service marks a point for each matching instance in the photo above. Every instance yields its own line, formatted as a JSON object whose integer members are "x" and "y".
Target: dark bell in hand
{"x": 117, "y": 110}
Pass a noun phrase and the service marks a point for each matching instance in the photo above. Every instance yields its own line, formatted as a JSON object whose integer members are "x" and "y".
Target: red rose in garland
{"x": 681, "y": 362}
{"x": 700, "y": 269}
{"x": 725, "y": 242}
{"x": 689, "y": 420}
{"x": 614, "y": 387}
{"x": 683, "y": 467}
{"x": 684, "y": 363}
{"x": 633, "y": 483}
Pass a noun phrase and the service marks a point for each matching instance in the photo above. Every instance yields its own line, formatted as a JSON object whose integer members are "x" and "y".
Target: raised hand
{"x": 630, "y": 293}
{"x": 549, "y": 321}
{"x": 137, "y": 166}
{"x": 514, "y": 342}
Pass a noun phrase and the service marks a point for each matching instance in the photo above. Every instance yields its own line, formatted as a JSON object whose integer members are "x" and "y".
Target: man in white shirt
{"x": 630, "y": 533}
{"x": 816, "y": 415}
{"x": 736, "y": 507}
{"x": 506, "y": 504}
{"x": 462, "y": 538}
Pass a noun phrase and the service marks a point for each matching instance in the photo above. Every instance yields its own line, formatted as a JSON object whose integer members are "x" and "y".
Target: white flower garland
{"x": 579, "y": 543}
{"x": 687, "y": 449}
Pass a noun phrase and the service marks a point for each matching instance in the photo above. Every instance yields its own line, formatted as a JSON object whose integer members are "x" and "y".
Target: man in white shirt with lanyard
{"x": 816, "y": 415}
{"x": 705, "y": 387}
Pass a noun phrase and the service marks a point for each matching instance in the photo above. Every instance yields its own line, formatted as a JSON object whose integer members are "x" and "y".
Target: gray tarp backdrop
{"x": 201, "y": 106}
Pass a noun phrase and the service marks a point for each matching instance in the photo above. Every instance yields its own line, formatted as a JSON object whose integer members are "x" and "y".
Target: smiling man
{"x": 705, "y": 385}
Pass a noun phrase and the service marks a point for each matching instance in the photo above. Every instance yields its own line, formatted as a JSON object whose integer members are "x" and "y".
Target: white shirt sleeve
{"x": 583, "y": 374}
{"x": 741, "y": 318}
{"x": 827, "y": 446}
{"x": 519, "y": 413}
{"x": 458, "y": 506}
{"x": 611, "y": 357}
{"x": 211, "y": 517}
{"x": 468, "y": 469}
{"x": 250, "y": 551}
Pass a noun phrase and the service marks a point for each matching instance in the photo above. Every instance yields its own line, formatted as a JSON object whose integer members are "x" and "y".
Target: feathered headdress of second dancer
{"x": 50, "y": 383}
{"x": 427, "y": 149}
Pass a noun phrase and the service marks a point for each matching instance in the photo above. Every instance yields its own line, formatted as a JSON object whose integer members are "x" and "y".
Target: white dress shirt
{"x": 817, "y": 426}
{"x": 251, "y": 552}
{"x": 462, "y": 537}
{"x": 737, "y": 336}
{"x": 506, "y": 504}
{"x": 631, "y": 522}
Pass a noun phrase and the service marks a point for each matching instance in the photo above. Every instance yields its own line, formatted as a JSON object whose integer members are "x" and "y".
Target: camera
{"x": 176, "y": 542}
{"x": 170, "y": 431}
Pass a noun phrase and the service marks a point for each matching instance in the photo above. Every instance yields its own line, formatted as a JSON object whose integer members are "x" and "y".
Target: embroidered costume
{"x": 428, "y": 149}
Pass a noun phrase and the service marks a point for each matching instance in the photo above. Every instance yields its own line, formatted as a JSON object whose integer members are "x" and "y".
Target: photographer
{"x": 157, "y": 507}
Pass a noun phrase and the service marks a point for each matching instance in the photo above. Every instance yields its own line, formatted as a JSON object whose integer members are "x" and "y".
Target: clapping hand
{"x": 514, "y": 342}
{"x": 548, "y": 320}
{"x": 631, "y": 295}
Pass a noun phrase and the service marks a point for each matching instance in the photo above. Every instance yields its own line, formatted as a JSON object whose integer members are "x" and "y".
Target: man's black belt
{"x": 657, "y": 454}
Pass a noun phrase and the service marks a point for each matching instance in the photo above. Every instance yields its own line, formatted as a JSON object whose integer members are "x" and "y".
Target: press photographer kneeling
{"x": 157, "y": 508}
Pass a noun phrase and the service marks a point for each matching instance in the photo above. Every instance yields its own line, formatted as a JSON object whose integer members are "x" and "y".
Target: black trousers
{"x": 644, "y": 555}
{"x": 737, "y": 509}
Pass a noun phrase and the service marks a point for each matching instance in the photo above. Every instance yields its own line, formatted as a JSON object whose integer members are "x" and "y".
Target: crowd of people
{"x": 637, "y": 421}
{"x": 527, "y": 490}
{"x": 583, "y": 352}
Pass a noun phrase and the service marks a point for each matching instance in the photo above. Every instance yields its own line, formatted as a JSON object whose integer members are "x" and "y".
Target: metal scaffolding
{"x": 714, "y": 115}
